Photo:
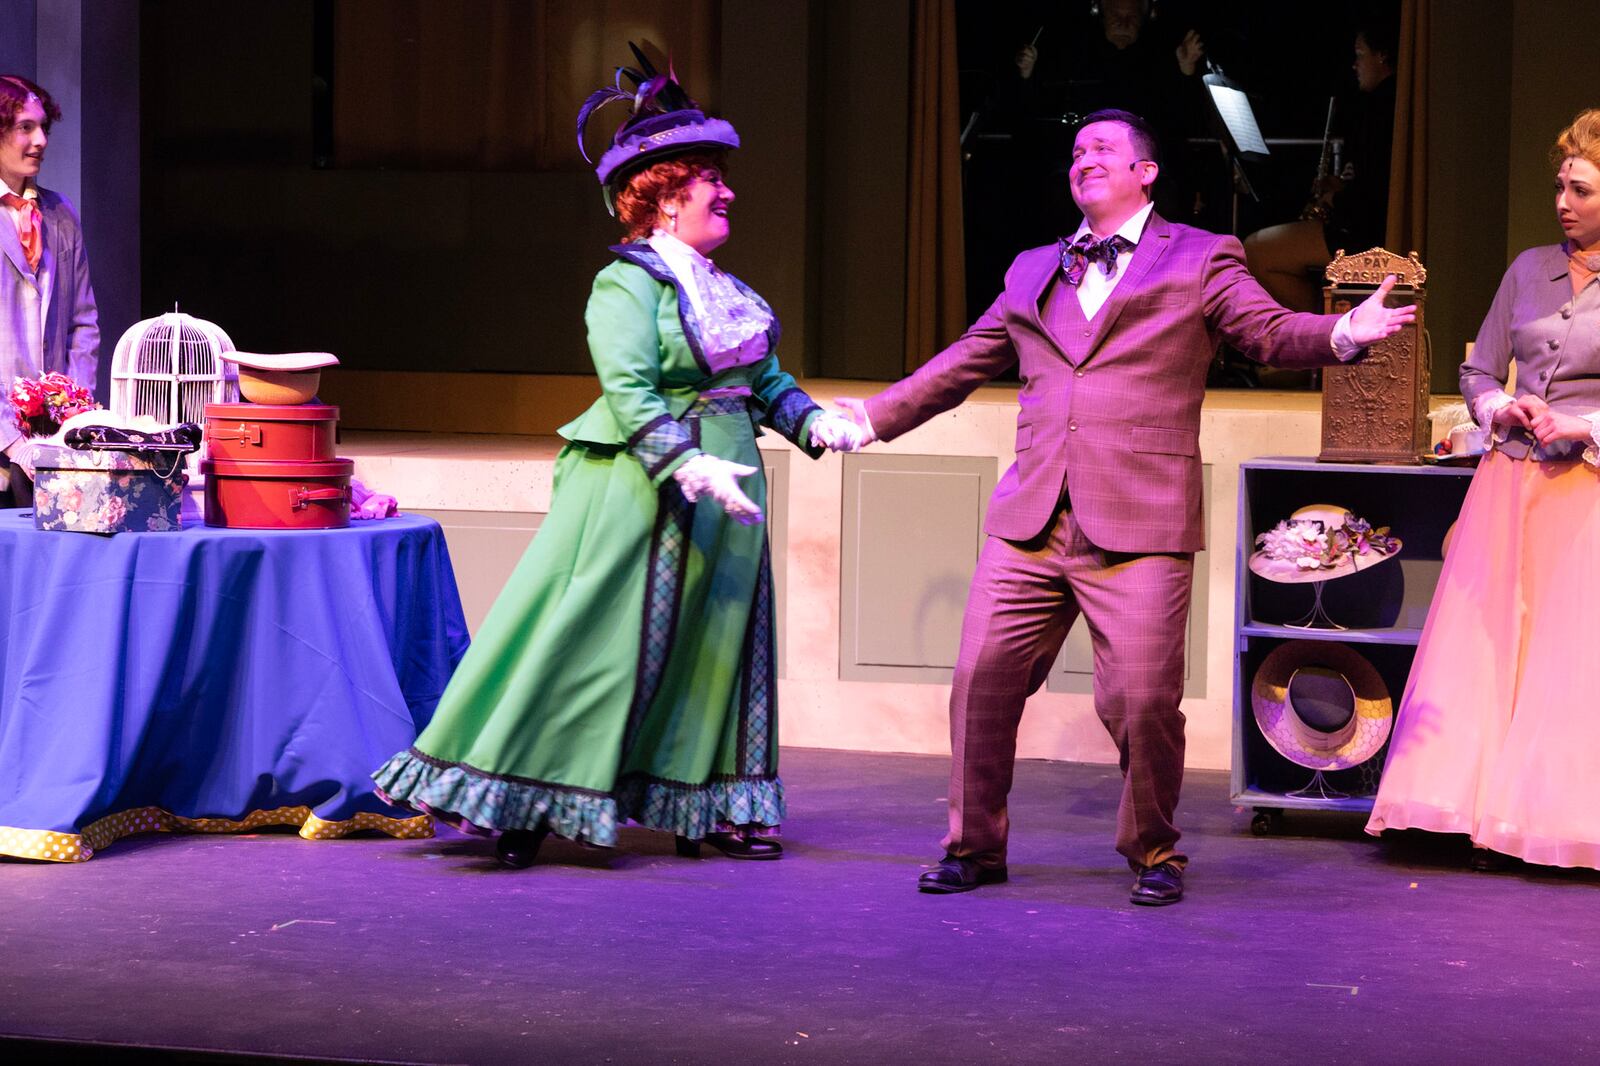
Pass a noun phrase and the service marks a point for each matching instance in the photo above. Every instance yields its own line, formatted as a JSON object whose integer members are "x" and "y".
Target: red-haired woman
{"x": 627, "y": 671}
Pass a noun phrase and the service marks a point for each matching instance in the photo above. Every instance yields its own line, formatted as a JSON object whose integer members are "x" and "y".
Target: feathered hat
{"x": 663, "y": 122}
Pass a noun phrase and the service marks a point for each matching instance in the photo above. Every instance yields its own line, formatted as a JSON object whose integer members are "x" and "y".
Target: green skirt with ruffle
{"x": 626, "y": 673}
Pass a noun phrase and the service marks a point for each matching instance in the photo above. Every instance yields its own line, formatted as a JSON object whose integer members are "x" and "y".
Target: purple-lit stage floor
{"x": 1312, "y": 946}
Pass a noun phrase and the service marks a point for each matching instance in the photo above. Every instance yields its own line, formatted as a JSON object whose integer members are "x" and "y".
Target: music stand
{"x": 1241, "y": 138}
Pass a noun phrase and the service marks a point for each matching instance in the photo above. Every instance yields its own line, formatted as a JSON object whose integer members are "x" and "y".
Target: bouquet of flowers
{"x": 40, "y": 405}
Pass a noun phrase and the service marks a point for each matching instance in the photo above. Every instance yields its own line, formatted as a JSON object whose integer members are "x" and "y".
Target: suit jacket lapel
{"x": 12, "y": 246}
{"x": 1037, "y": 289}
{"x": 1157, "y": 235}
{"x": 47, "y": 261}
{"x": 47, "y": 269}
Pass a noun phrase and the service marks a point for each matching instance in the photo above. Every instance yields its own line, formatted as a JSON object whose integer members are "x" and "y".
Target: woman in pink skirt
{"x": 1498, "y": 734}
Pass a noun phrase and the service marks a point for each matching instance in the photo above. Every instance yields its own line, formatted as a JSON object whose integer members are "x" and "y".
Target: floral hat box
{"x": 104, "y": 491}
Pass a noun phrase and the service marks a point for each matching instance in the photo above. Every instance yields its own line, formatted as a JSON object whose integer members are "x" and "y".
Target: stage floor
{"x": 1317, "y": 945}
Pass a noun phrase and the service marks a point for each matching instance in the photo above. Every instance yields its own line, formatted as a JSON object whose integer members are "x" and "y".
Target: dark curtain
{"x": 496, "y": 84}
{"x": 936, "y": 310}
{"x": 1408, "y": 161}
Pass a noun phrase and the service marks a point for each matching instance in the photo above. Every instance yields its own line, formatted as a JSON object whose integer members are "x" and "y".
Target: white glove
{"x": 706, "y": 475}
{"x": 835, "y": 432}
{"x": 856, "y": 411}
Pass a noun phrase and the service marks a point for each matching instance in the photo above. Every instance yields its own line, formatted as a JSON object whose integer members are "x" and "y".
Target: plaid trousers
{"x": 1024, "y": 599}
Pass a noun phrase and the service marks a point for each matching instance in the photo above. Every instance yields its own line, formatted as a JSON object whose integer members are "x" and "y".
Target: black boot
{"x": 518, "y": 848}
{"x": 1487, "y": 861}
{"x": 733, "y": 845}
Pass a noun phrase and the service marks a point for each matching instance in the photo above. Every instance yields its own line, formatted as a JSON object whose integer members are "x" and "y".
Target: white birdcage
{"x": 169, "y": 367}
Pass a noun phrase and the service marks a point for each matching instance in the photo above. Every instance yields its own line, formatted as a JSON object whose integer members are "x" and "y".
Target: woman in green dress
{"x": 627, "y": 670}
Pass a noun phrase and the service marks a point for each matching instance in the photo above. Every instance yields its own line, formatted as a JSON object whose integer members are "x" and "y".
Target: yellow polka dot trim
{"x": 49, "y": 846}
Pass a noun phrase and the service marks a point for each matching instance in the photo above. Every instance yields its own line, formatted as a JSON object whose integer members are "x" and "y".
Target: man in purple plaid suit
{"x": 1112, "y": 331}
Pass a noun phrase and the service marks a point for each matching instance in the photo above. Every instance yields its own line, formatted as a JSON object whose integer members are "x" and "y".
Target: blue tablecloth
{"x": 214, "y": 679}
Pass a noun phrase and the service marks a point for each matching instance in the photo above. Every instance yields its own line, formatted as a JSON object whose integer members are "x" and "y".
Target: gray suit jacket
{"x": 1554, "y": 337}
{"x": 47, "y": 319}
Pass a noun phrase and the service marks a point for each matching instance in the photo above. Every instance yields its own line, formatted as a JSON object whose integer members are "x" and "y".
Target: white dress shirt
{"x": 1096, "y": 287}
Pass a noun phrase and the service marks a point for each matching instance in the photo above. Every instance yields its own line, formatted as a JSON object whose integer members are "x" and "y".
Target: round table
{"x": 214, "y": 679}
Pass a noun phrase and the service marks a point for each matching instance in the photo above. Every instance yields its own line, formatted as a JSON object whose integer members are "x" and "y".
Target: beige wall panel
{"x": 913, "y": 525}
{"x": 485, "y": 547}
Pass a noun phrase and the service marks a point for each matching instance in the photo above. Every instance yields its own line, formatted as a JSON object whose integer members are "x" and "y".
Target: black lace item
{"x": 182, "y": 438}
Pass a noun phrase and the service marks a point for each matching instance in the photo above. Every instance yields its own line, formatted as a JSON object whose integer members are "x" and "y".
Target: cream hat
{"x": 1321, "y": 705}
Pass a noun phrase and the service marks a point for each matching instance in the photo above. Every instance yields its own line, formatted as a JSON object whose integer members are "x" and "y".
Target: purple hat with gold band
{"x": 663, "y": 122}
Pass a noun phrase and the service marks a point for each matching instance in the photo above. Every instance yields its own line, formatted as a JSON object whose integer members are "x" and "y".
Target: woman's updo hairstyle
{"x": 642, "y": 194}
{"x": 1581, "y": 139}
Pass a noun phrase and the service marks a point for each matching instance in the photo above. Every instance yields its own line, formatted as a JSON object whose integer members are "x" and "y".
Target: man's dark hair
{"x": 1382, "y": 37}
{"x": 1139, "y": 131}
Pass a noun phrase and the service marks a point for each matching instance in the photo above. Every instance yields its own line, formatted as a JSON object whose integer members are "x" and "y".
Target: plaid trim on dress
{"x": 788, "y": 414}
{"x": 658, "y": 443}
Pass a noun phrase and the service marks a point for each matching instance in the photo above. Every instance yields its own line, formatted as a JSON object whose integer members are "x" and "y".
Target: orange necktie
{"x": 28, "y": 229}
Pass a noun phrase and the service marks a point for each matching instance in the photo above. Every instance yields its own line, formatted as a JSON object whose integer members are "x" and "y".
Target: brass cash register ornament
{"x": 1376, "y": 410}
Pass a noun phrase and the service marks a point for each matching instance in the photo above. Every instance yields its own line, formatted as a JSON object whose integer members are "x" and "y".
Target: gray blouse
{"x": 1554, "y": 337}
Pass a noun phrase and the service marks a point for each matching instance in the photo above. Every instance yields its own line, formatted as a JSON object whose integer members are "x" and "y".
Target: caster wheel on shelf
{"x": 1266, "y": 821}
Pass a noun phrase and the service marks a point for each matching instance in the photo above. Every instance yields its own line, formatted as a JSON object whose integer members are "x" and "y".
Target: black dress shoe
{"x": 518, "y": 848}
{"x": 1158, "y": 885}
{"x": 955, "y": 874}
{"x": 1488, "y": 861}
{"x": 733, "y": 845}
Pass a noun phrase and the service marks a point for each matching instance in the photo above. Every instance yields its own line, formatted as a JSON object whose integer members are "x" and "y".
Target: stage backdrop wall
{"x": 489, "y": 271}
{"x": 241, "y": 229}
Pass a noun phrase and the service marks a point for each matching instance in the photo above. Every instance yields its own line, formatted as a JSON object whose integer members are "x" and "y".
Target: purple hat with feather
{"x": 663, "y": 122}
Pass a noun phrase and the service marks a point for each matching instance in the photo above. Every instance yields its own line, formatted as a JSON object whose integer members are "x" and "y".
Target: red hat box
{"x": 277, "y": 495}
{"x": 270, "y": 432}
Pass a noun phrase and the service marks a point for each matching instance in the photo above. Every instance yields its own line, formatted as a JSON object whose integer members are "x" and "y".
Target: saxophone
{"x": 1316, "y": 209}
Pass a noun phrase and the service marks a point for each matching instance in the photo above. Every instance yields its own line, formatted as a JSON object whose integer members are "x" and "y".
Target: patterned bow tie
{"x": 1077, "y": 255}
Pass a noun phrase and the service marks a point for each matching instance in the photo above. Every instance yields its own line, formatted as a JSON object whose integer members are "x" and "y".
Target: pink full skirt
{"x": 1498, "y": 733}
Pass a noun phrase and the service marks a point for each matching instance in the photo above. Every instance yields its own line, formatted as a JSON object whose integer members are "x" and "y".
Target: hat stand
{"x": 1318, "y": 787}
{"x": 1317, "y": 617}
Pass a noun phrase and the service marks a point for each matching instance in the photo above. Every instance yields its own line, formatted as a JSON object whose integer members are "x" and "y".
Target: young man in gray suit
{"x": 1112, "y": 331}
{"x": 47, "y": 313}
